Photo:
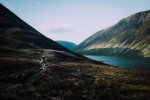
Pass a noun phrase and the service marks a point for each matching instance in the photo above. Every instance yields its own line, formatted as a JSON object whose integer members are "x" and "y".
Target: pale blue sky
{"x": 73, "y": 20}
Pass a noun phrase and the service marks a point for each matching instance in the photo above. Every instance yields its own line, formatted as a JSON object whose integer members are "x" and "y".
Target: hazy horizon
{"x": 76, "y": 20}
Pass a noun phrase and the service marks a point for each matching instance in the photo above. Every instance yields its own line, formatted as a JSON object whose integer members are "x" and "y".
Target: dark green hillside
{"x": 69, "y": 45}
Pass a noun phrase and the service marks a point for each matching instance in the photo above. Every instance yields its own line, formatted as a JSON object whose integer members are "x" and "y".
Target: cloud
{"x": 61, "y": 28}
{"x": 65, "y": 31}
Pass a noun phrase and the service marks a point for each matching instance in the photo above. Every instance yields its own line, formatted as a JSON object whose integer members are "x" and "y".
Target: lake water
{"x": 136, "y": 63}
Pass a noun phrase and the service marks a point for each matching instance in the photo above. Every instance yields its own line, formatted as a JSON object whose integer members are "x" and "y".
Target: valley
{"x": 66, "y": 75}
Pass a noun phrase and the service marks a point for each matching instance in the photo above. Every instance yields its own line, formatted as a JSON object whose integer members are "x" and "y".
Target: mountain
{"x": 15, "y": 34}
{"x": 69, "y": 45}
{"x": 18, "y": 40}
{"x": 129, "y": 37}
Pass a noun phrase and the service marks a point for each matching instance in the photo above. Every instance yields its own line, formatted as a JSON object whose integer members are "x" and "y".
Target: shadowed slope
{"x": 16, "y": 34}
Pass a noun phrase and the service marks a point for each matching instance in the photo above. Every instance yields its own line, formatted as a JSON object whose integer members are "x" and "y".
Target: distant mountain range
{"x": 68, "y": 45}
{"x": 129, "y": 37}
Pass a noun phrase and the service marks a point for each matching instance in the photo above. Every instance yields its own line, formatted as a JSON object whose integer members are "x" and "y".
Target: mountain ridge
{"x": 70, "y": 45}
{"x": 128, "y": 33}
{"x": 16, "y": 34}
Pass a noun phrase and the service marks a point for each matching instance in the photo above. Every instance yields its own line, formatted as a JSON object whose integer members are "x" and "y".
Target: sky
{"x": 73, "y": 20}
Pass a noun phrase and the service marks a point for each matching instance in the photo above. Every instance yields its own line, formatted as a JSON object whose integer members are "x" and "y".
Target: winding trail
{"x": 31, "y": 75}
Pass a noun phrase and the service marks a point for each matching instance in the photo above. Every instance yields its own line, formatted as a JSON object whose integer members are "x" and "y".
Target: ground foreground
{"x": 22, "y": 78}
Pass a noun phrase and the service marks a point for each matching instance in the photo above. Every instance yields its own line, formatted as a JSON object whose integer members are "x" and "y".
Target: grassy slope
{"x": 17, "y": 34}
{"x": 130, "y": 35}
{"x": 69, "y": 80}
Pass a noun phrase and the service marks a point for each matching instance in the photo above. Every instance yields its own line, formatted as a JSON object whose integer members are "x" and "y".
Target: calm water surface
{"x": 128, "y": 62}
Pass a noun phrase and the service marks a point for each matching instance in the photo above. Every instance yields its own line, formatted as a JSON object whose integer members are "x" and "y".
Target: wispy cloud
{"x": 61, "y": 28}
{"x": 66, "y": 32}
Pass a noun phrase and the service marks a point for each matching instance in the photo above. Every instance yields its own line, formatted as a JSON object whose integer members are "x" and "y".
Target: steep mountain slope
{"x": 16, "y": 34}
{"x": 129, "y": 37}
{"x": 69, "y": 45}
